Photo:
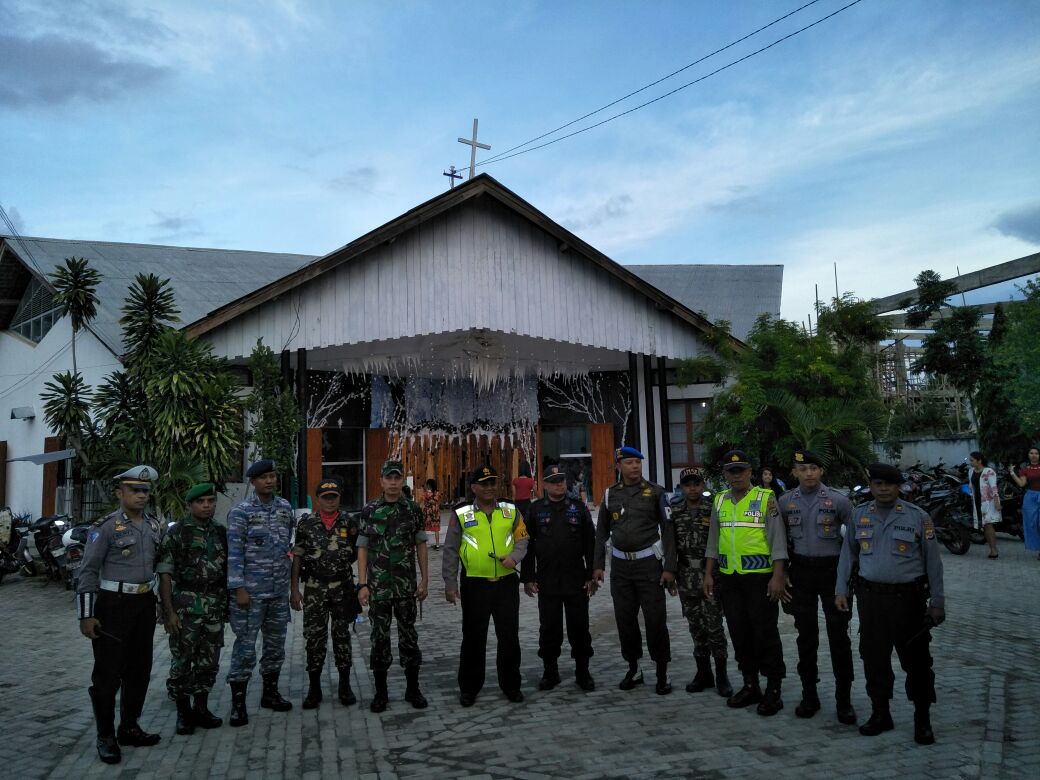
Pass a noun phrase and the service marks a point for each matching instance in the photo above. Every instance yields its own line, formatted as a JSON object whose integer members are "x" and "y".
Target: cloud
{"x": 595, "y": 214}
{"x": 1022, "y": 223}
{"x": 361, "y": 178}
{"x": 16, "y": 220}
{"x": 174, "y": 227}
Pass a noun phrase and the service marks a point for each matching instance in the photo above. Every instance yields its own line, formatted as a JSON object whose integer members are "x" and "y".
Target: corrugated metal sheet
{"x": 202, "y": 279}
{"x": 738, "y": 293}
{"x": 479, "y": 265}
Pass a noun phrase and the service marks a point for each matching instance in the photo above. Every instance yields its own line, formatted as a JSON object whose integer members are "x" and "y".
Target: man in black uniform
{"x": 635, "y": 517}
{"x": 558, "y": 568}
{"x": 117, "y": 612}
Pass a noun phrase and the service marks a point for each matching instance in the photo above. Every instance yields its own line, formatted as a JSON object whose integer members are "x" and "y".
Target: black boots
{"x": 923, "y": 734}
{"x": 185, "y": 721}
{"x": 810, "y": 703}
{"x": 632, "y": 678}
{"x": 664, "y": 685}
{"x": 749, "y": 694}
{"x": 203, "y": 718}
{"x": 771, "y": 702}
{"x": 382, "y": 697}
{"x": 843, "y": 701}
{"x": 722, "y": 685}
{"x": 880, "y": 719}
{"x": 704, "y": 679}
{"x": 132, "y": 735}
{"x": 313, "y": 697}
{"x": 239, "y": 717}
{"x": 412, "y": 694}
{"x": 346, "y": 694}
{"x": 105, "y": 717}
{"x": 271, "y": 699}
{"x": 550, "y": 675}
{"x": 582, "y": 676}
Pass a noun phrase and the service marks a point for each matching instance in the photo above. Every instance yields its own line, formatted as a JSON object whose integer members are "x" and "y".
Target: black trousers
{"x": 893, "y": 620}
{"x": 809, "y": 586}
{"x": 483, "y": 600}
{"x": 636, "y": 585}
{"x": 551, "y": 610}
{"x": 752, "y": 621}
{"x": 123, "y": 659}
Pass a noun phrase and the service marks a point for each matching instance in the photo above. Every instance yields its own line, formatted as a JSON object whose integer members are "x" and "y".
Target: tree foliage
{"x": 75, "y": 288}
{"x": 1017, "y": 357}
{"x": 276, "y": 417}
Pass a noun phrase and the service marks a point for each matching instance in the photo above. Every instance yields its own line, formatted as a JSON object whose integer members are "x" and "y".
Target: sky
{"x": 890, "y": 138}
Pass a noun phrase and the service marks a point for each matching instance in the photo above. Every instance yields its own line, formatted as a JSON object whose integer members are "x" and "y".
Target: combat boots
{"x": 843, "y": 700}
{"x": 749, "y": 694}
{"x": 923, "y": 734}
{"x": 132, "y": 735}
{"x": 632, "y": 678}
{"x": 664, "y": 685}
{"x": 185, "y": 723}
{"x": 771, "y": 702}
{"x": 810, "y": 703}
{"x": 346, "y": 695}
{"x": 239, "y": 716}
{"x": 382, "y": 696}
{"x": 582, "y": 676}
{"x": 313, "y": 697}
{"x": 412, "y": 694}
{"x": 704, "y": 679}
{"x": 271, "y": 699}
{"x": 550, "y": 675}
{"x": 880, "y": 719}
{"x": 722, "y": 684}
{"x": 203, "y": 718}
{"x": 105, "y": 717}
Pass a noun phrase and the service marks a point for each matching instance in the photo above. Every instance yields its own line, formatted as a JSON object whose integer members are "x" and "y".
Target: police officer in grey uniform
{"x": 815, "y": 516}
{"x": 899, "y": 589}
{"x": 635, "y": 516}
{"x": 117, "y": 612}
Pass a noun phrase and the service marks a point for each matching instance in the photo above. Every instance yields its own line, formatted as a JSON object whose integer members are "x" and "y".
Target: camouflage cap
{"x": 392, "y": 467}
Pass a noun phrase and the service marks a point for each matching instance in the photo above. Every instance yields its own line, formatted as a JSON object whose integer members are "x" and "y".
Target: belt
{"x": 632, "y": 556}
{"x": 918, "y": 587}
{"x": 816, "y": 562}
{"x": 490, "y": 579}
{"x": 125, "y": 587}
{"x": 346, "y": 578}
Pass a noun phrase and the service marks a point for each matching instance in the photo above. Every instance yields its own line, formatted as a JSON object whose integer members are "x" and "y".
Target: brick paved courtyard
{"x": 986, "y": 721}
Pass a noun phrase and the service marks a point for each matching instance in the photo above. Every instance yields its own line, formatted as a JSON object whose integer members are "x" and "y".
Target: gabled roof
{"x": 480, "y": 186}
{"x": 738, "y": 293}
{"x": 201, "y": 279}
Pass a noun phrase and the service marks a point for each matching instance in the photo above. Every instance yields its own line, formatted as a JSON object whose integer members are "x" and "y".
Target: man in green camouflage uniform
{"x": 392, "y": 537}
{"x": 192, "y": 569}
{"x": 691, "y": 516}
{"x": 326, "y": 547}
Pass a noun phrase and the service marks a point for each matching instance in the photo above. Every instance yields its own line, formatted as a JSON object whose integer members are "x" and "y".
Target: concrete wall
{"x": 929, "y": 451}
{"x": 24, "y": 367}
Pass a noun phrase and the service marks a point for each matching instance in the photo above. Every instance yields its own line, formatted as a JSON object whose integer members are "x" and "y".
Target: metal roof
{"x": 201, "y": 279}
{"x": 738, "y": 293}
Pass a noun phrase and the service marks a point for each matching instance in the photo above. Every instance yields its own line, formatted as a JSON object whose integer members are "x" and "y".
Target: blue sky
{"x": 896, "y": 136}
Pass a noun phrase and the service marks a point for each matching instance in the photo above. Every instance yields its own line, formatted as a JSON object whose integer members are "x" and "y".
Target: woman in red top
{"x": 523, "y": 486}
{"x": 431, "y": 507}
{"x": 1028, "y": 477}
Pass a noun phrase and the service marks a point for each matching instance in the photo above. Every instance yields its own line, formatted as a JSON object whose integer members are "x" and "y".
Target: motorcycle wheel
{"x": 954, "y": 535}
{"x": 977, "y": 536}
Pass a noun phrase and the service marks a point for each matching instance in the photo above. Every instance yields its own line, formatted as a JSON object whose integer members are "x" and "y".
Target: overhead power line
{"x": 13, "y": 231}
{"x": 510, "y": 153}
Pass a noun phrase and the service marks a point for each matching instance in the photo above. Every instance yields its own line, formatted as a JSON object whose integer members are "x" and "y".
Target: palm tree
{"x": 75, "y": 288}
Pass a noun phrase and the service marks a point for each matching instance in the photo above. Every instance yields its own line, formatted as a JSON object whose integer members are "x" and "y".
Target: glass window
{"x": 685, "y": 417}
{"x": 342, "y": 445}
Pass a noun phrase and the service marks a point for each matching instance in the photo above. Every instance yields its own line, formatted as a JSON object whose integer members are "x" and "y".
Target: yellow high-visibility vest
{"x": 486, "y": 539}
{"x": 743, "y": 545}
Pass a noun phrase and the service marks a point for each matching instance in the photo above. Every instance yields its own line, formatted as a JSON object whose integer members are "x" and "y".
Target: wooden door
{"x": 50, "y": 476}
{"x": 602, "y": 441}
{"x": 377, "y": 446}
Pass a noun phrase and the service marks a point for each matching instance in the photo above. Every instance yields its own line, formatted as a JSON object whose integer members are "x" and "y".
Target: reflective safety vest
{"x": 485, "y": 540}
{"x": 743, "y": 545}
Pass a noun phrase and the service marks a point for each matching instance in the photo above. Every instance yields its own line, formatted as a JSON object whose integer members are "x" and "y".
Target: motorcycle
{"x": 14, "y": 545}
{"x": 1010, "y": 513}
{"x": 74, "y": 541}
{"x": 47, "y": 533}
{"x": 950, "y": 513}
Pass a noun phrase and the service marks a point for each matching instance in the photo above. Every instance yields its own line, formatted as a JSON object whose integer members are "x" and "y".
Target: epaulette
{"x": 101, "y": 521}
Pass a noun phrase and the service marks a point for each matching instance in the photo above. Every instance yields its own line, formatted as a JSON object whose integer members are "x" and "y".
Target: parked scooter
{"x": 950, "y": 513}
{"x": 74, "y": 541}
{"x": 14, "y": 545}
{"x": 47, "y": 533}
{"x": 1010, "y": 512}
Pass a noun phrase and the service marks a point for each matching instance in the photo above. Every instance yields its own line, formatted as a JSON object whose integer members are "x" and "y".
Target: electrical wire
{"x": 669, "y": 93}
{"x": 28, "y": 378}
{"x": 21, "y": 241}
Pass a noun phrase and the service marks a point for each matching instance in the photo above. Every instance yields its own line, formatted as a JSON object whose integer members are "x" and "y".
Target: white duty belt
{"x": 632, "y": 556}
{"x": 125, "y": 587}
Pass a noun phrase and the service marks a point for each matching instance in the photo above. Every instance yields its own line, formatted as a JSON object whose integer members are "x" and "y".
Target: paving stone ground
{"x": 987, "y": 720}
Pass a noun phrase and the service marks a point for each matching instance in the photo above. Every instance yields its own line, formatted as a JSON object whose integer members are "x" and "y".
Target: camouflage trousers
{"x": 270, "y": 616}
{"x": 379, "y": 615}
{"x": 195, "y": 655}
{"x": 703, "y": 616}
{"x": 322, "y": 602}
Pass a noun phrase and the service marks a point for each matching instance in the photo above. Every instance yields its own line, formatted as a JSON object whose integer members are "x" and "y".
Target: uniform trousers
{"x": 122, "y": 657}
{"x": 321, "y": 603}
{"x": 270, "y": 616}
{"x": 636, "y": 585}
{"x": 895, "y": 620}
{"x": 551, "y": 610}
{"x": 379, "y": 615}
{"x": 195, "y": 655}
{"x": 752, "y": 621}
{"x": 809, "y": 586}
{"x": 483, "y": 600}
{"x": 703, "y": 616}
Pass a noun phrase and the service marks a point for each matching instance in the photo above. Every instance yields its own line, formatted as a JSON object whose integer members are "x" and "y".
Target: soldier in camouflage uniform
{"x": 392, "y": 537}
{"x": 259, "y": 542}
{"x": 691, "y": 516}
{"x": 192, "y": 571}
{"x": 326, "y": 546}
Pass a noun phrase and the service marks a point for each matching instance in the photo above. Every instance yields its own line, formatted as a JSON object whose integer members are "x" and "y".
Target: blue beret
{"x": 627, "y": 452}
{"x": 261, "y": 467}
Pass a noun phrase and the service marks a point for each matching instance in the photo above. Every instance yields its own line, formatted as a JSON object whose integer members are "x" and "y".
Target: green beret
{"x": 200, "y": 490}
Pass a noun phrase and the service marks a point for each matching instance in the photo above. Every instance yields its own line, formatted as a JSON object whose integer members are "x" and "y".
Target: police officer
{"x": 393, "y": 536}
{"x": 260, "y": 533}
{"x": 558, "y": 568}
{"x": 634, "y": 516}
{"x": 192, "y": 571}
{"x": 691, "y": 516}
{"x": 117, "y": 612}
{"x": 489, "y": 538}
{"x": 747, "y": 546}
{"x": 326, "y": 547}
{"x": 815, "y": 516}
{"x": 900, "y": 572}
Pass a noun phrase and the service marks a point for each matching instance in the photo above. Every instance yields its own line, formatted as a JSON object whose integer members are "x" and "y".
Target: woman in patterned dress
{"x": 431, "y": 506}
